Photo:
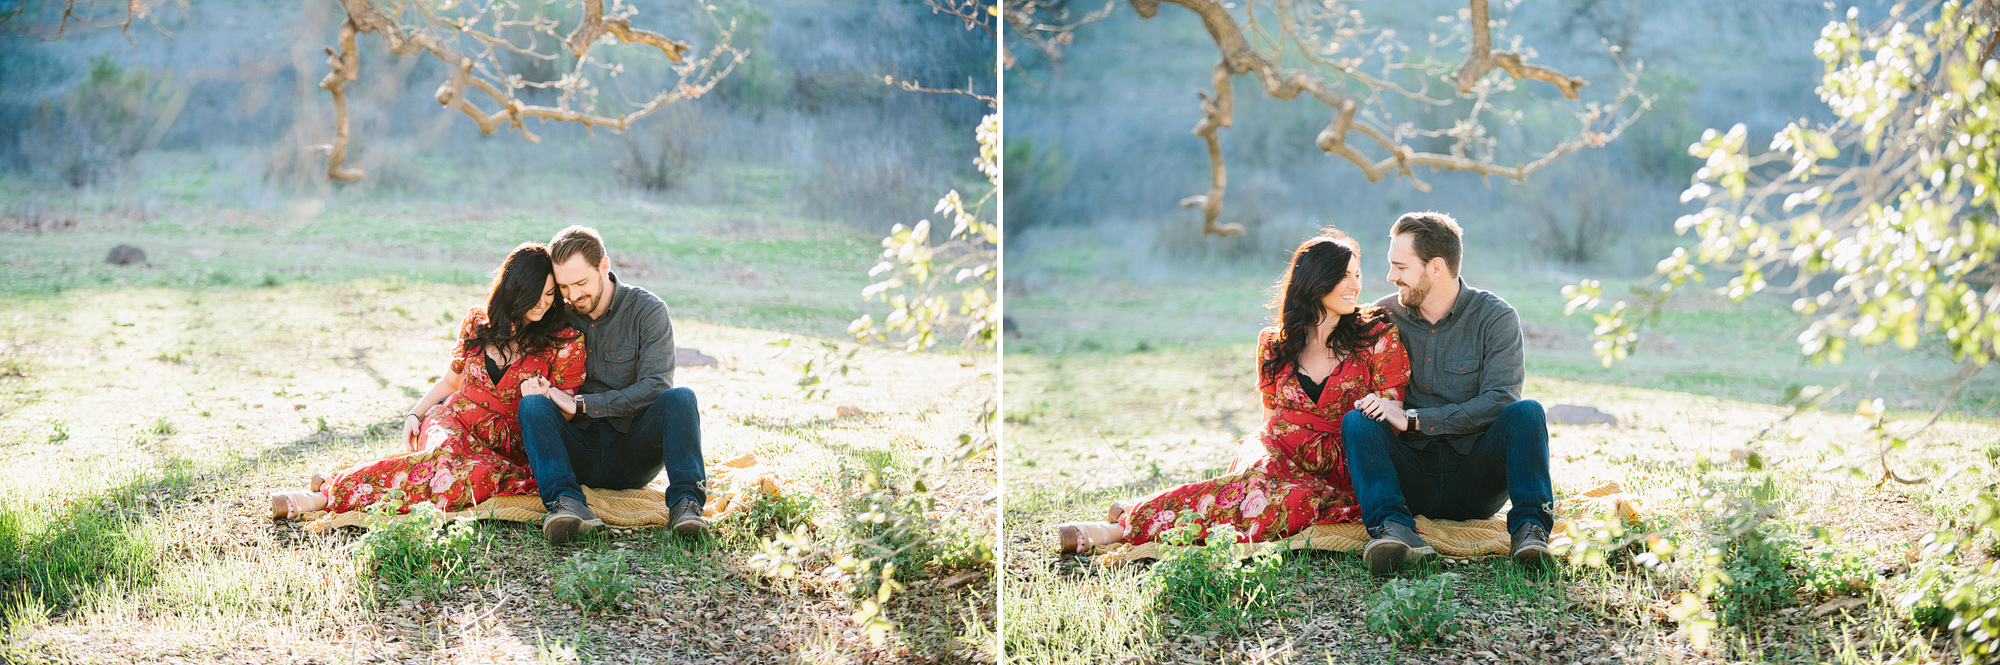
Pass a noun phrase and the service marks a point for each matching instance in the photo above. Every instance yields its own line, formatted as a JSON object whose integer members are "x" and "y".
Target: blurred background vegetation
{"x": 1102, "y": 260}
{"x": 226, "y": 110}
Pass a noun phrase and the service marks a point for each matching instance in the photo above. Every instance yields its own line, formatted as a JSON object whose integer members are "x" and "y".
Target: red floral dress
{"x": 1293, "y": 473}
{"x": 469, "y": 449}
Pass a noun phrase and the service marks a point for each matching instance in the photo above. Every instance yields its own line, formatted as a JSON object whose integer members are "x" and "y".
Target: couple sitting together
{"x": 564, "y": 379}
{"x": 1377, "y": 412}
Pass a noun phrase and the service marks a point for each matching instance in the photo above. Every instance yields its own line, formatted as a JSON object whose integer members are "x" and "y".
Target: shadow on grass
{"x": 53, "y": 555}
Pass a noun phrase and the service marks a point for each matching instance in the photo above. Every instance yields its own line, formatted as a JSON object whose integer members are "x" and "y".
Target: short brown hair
{"x": 1433, "y": 235}
{"x": 577, "y": 240}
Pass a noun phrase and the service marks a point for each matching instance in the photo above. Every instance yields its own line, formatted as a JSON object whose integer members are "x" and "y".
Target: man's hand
{"x": 536, "y": 385}
{"x": 1386, "y": 410}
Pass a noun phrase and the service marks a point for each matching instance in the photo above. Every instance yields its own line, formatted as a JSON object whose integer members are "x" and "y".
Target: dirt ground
{"x": 250, "y": 390}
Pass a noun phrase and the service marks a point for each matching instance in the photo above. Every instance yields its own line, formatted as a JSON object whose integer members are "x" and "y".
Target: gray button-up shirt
{"x": 629, "y": 357}
{"x": 1464, "y": 368}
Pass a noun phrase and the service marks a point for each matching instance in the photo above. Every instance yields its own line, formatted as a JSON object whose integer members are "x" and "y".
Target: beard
{"x": 584, "y": 304}
{"x": 1414, "y": 299}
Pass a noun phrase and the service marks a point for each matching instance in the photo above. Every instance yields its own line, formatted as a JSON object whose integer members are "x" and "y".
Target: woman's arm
{"x": 445, "y": 386}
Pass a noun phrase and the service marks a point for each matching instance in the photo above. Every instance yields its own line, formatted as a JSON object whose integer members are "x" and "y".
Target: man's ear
{"x": 1443, "y": 269}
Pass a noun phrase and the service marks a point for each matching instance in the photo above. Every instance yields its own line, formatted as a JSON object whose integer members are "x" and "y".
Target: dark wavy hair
{"x": 1318, "y": 265}
{"x": 515, "y": 290}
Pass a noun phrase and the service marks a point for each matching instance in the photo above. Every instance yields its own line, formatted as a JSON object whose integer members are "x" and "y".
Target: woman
{"x": 1329, "y": 353}
{"x": 467, "y": 447}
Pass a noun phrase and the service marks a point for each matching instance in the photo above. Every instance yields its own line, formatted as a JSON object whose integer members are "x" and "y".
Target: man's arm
{"x": 656, "y": 369}
{"x": 1503, "y": 371}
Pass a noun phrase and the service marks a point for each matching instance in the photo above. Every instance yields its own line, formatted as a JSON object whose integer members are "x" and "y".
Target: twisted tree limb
{"x": 1483, "y": 59}
{"x": 364, "y": 17}
{"x": 1241, "y": 57}
{"x": 594, "y": 24}
{"x": 343, "y": 66}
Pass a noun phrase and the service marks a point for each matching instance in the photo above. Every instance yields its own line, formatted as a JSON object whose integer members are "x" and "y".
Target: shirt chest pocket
{"x": 618, "y": 365}
{"x": 1467, "y": 364}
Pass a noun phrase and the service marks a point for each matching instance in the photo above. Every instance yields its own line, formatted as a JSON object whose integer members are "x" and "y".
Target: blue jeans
{"x": 667, "y": 436}
{"x": 1510, "y": 461}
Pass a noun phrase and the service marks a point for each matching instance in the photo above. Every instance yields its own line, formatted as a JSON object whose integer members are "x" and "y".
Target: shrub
{"x": 1833, "y": 574}
{"x": 890, "y": 532}
{"x": 772, "y": 514}
{"x": 1209, "y": 580}
{"x": 1414, "y": 610}
{"x": 1763, "y": 575}
{"x": 593, "y": 582}
{"x": 961, "y": 547}
{"x": 99, "y": 125}
{"x": 659, "y": 154}
{"x": 421, "y": 552}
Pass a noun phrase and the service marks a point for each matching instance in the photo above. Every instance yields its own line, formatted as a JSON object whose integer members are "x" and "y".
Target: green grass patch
{"x": 594, "y": 582}
{"x": 1415, "y": 610}
{"x": 1079, "y": 618}
{"x": 424, "y": 553}
{"x": 55, "y": 554}
{"x": 1207, "y": 580}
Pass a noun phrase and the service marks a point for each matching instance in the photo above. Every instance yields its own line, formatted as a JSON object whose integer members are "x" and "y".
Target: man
{"x": 1463, "y": 442}
{"x": 628, "y": 421}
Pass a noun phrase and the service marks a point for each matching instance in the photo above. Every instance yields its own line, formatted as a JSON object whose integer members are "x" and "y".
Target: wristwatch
{"x": 1411, "y": 415}
{"x": 578, "y": 401}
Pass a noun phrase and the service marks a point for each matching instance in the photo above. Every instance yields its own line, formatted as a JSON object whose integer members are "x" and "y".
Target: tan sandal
{"x": 1081, "y": 537}
{"x": 296, "y": 503}
{"x": 318, "y": 483}
{"x": 1116, "y": 515}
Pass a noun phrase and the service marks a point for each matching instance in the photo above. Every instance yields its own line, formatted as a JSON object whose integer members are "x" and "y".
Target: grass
{"x": 156, "y": 407}
{"x": 751, "y": 266}
{"x": 1703, "y": 344}
{"x": 1117, "y": 388}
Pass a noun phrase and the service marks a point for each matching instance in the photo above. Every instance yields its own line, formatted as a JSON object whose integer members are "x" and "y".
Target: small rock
{"x": 846, "y": 411}
{"x": 1838, "y": 604}
{"x": 1571, "y": 414}
{"x": 693, "y": 358}
{"x": 126, "y": 255}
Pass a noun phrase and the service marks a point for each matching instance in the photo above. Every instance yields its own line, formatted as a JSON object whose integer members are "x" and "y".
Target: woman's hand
{"x": 411, "y": 427}
{"x": 536, "y": 385}
{"x": 1386, "y": 410}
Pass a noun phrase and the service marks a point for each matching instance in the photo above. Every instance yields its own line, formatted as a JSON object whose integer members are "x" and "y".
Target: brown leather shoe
{"x": 568, "y": 518}
{"x": 686, "y": 518}
{"x": 1391, "y": 545}
{"x": 1531, "y": 546}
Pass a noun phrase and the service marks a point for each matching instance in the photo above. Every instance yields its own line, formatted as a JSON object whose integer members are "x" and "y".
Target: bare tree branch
{"x": 482, "y": 70}
{"x": 122, "y": 17}
{"x": 913, "y": 86}
{"x": 1483, "y": 59}
{"x": 975, "y": 13}
{"x": 1045, "y": 26}
{"x": 1240, "y": 56}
